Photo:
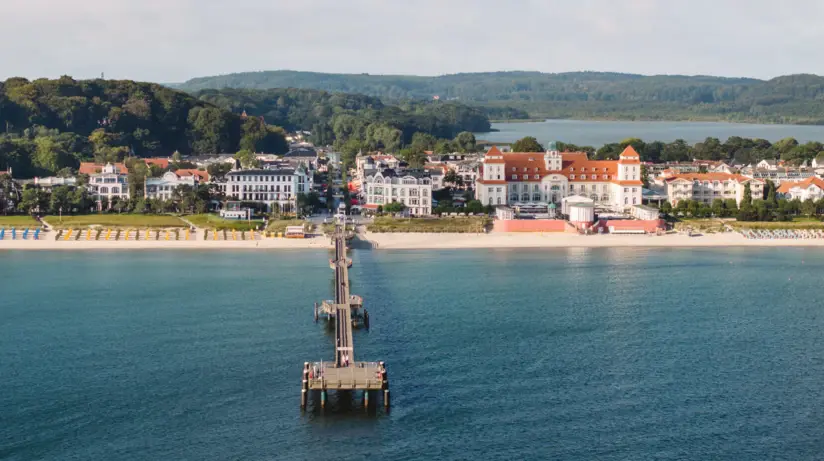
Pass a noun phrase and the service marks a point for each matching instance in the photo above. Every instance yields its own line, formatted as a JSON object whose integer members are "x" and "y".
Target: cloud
{"x": 173, "y": 40}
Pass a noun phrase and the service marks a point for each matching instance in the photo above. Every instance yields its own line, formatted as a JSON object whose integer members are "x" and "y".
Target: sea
{"x": 573, "y": 354}
{"x": 598, "y": 133}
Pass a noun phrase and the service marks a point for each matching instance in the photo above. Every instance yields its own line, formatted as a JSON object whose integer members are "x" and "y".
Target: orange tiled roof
{"x": 199, "y": 174}
{"x": 813, "y": 181}
{"x": 712, "y": 177}
{"x": 92, "y": 168}
{"x": 629, "y": 155}
{"x": 161, "y": 162}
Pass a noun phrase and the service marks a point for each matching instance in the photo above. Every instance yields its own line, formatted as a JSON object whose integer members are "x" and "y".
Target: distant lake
{"x": 598, "y": 133}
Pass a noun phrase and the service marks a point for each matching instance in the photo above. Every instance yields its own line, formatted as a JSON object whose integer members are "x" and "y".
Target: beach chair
{"x": 13, "y": 233}
{"x": 2, "y": 233}
{"x": 187, "y": 234}
{"x": 78, "y": 234}
{"x": 234, "y": 235}
{"x": 108, "y": 234}
{"x": 36, "y": 235}
{"x": 68, "y": 234}
{"x": 26, "y": 233}
{"x": 167, "y": 235}
{"x": 214, "y": 237}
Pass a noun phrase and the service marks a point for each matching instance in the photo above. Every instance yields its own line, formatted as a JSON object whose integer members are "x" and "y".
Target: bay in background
{"x": 574, "y": 354}
{"x": 598, "y": 133}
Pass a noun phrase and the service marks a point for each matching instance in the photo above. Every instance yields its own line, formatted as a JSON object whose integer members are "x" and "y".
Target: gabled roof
{"x": 161, "y": 162}
{"x": 629, "y": 155}
{"x": 787, "y": 186}
{"x": 198, "y": 174}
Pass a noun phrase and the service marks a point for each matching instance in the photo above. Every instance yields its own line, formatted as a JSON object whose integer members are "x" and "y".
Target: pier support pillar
{"x": 304, "y": 397}
{"x": 323, "y": 398}
{"x": 386, "y": 398}
{"x": 365, "y": 399}
{"x": 316, "y": 312}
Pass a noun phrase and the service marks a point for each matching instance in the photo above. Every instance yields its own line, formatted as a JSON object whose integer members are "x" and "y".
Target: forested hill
{"x": 49, "y": 125}
{"x": 788, "y": 99}
{"x": 334, "y": 116}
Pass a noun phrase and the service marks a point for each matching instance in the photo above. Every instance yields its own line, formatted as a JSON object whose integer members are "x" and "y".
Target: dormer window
{"x": 606, "y": 177}
{"x": 513, "y": 168}
{"x": 536, "y": 169}
{"x": 571, "y": 169}
{"x": 583, "y": 169}
{"x": 572, "y": 176}
{"x": 594, "y": 177}
{"x": 514, "y": 176}
{"x": 531, "y": 159}
{"x": 537, "y": 176}
{"x": 524, "y": 169}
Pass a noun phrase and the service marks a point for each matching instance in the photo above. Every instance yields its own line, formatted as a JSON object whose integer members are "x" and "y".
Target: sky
{"x": 171, "y": 41}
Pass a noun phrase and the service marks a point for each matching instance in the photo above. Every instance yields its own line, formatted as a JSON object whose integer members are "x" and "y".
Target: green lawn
{"x": 442, "y": 225}
{"x": 19, "y": 221}
{"x": 213, "y": 221}
{"x": 279, "y": 225}
{"x": 115, "y": 220}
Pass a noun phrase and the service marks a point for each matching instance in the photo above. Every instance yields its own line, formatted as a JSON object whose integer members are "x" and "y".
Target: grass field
{"x": 442, "y": 225}
{"x": 213, "y": 221}
{"x": 21, "y": 221}
{"x": 115, "y": 220}
{"x": 279, "y": 225}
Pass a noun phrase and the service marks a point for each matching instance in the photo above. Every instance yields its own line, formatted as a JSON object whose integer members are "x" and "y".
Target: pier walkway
{"x": 346, "y": 310}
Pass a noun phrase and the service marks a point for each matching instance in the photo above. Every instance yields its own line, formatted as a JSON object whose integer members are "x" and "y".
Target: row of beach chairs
{"x": 19, "y": 234}
{"x": 123, "y": 234}
{"x": 771, "y": 234}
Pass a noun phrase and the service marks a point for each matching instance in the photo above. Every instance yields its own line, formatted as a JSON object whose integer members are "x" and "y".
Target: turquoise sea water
{"x": 576, "y": 354}
{"x": 598, "y": 133}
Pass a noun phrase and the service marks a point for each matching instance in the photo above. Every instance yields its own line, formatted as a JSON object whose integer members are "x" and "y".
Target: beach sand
{"x": 392, "y": 241}
{"x": 265, "y": 244}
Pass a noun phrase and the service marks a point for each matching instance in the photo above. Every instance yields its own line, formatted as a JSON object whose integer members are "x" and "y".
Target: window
{"x": 514, "y": 176}
{"x": 583, "y": 170}
{"x": 499, "y": 190}
{"x": 626, "y": 189}
{"x": 626, "y": 200}
{"x": 594, "y": 177}
{"x": 513, "y": 168}
{"x": 572, "y": 187}
{"x": 537, "y": 176}
{"x": 572, "y": 176}
{"x": 571, "y": 169}
{"x": 499, "y": 201}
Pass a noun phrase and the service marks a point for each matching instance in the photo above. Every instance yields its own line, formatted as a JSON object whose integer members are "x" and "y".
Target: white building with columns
{"x": 272, "y": 187}
{"x": 534, "y": 178}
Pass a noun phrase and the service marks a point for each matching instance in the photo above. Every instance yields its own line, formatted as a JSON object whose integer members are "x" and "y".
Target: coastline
{"x": 318, "y": 243}
{"x": 563, "y": 240}
{"x": 425, "y": 241}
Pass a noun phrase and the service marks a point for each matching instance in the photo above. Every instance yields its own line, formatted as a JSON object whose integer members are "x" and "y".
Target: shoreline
{"x": 426, "y": 241}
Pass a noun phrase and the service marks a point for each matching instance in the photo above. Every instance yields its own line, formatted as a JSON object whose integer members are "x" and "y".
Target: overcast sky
{"x": 174, "y": 40}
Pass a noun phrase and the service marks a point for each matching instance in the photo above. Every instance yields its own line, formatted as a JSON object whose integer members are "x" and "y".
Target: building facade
{"x": 412, "y": 189}
{"x": 163, "y": 187}
{"x": 108, "y": 181}
{"x": 809, "y": 189}
{"x": 518, "y": 179}
{"x": 277, "y": 187}
{"x": 706, "y": 187}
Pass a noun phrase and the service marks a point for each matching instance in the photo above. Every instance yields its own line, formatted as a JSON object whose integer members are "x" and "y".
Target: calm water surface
{"x": 598, "y": 133}
{"x": 576, "y": 354}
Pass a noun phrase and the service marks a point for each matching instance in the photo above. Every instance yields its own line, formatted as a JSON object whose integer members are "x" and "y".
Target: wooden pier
{"x": 343, "y": 373}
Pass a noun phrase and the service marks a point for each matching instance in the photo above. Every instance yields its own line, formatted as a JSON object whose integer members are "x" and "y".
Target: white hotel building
{"x": 706, "y": 187}
{"x": 278, "y": 186}
{"x": 413, "y": 189}
{"x": 538, "y": 178}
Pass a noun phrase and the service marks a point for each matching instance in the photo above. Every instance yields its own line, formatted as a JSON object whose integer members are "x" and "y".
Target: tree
{"x": 808, "y": 208}
{"x": 218, "y": 170}
{"x": 60, "y": 199}
{"x": 33, "y": 200}
{"x": 474, "y": 206}
{"x": 527, "y": 144}
{"x": 645, "y": 175}
{"x": 452, "y": 177}
{"x": 465, "y": 141}
{"x": 666, "y": 208}
{"x": 394, "y": 207}
{"x": 247, "y": 158}
{"x": 747, "y": 194}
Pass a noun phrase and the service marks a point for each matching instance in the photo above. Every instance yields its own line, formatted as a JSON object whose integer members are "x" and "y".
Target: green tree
{"x": 394, "y": 207}
{"x": 453, "y": 178}
{"x": 33, "y": 200}
{"x": 247, "y": 158}
{"x": 61, "y": 199}
{"x": 527, "y": 144}
{"x": 465, "y": 141}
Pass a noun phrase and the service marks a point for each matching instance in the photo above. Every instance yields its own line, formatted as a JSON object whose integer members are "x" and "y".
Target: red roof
{"x": 161, "y": 162}
{"x": 813, "y": 181}
{"x": 199, "y": 174}
{"x": 711, "y": 177}
{"x": 629, "y": 155}
{"x": 92, "y": 168}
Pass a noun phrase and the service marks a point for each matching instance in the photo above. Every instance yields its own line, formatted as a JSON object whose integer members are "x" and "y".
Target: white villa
{"x": 810, "y": 188}
{"x": 534, "y": 178}
{"x": 706, "y": 187}
{"x": 411, "y": 188}
{"x": 273, "y": 187}
{"x": 107, "y": 181}
{"x": 163, "y": 186}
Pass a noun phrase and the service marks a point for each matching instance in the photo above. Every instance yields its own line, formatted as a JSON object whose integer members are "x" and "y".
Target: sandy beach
{"x": 265, "y": 244}
{"x": 410, "y": 241}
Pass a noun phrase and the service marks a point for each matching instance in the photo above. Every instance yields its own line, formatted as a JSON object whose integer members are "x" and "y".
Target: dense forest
{"x": 51, "y": 125}
{"x": 327, "y": 114}
{"x": 353, "y": 122}
{"x": 787, "y": 99}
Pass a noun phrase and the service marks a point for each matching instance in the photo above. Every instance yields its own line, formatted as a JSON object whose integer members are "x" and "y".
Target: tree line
{"x": 48, "y": 125}
{"x": 734, "y": 150}
{"x": 576, "y": 95}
